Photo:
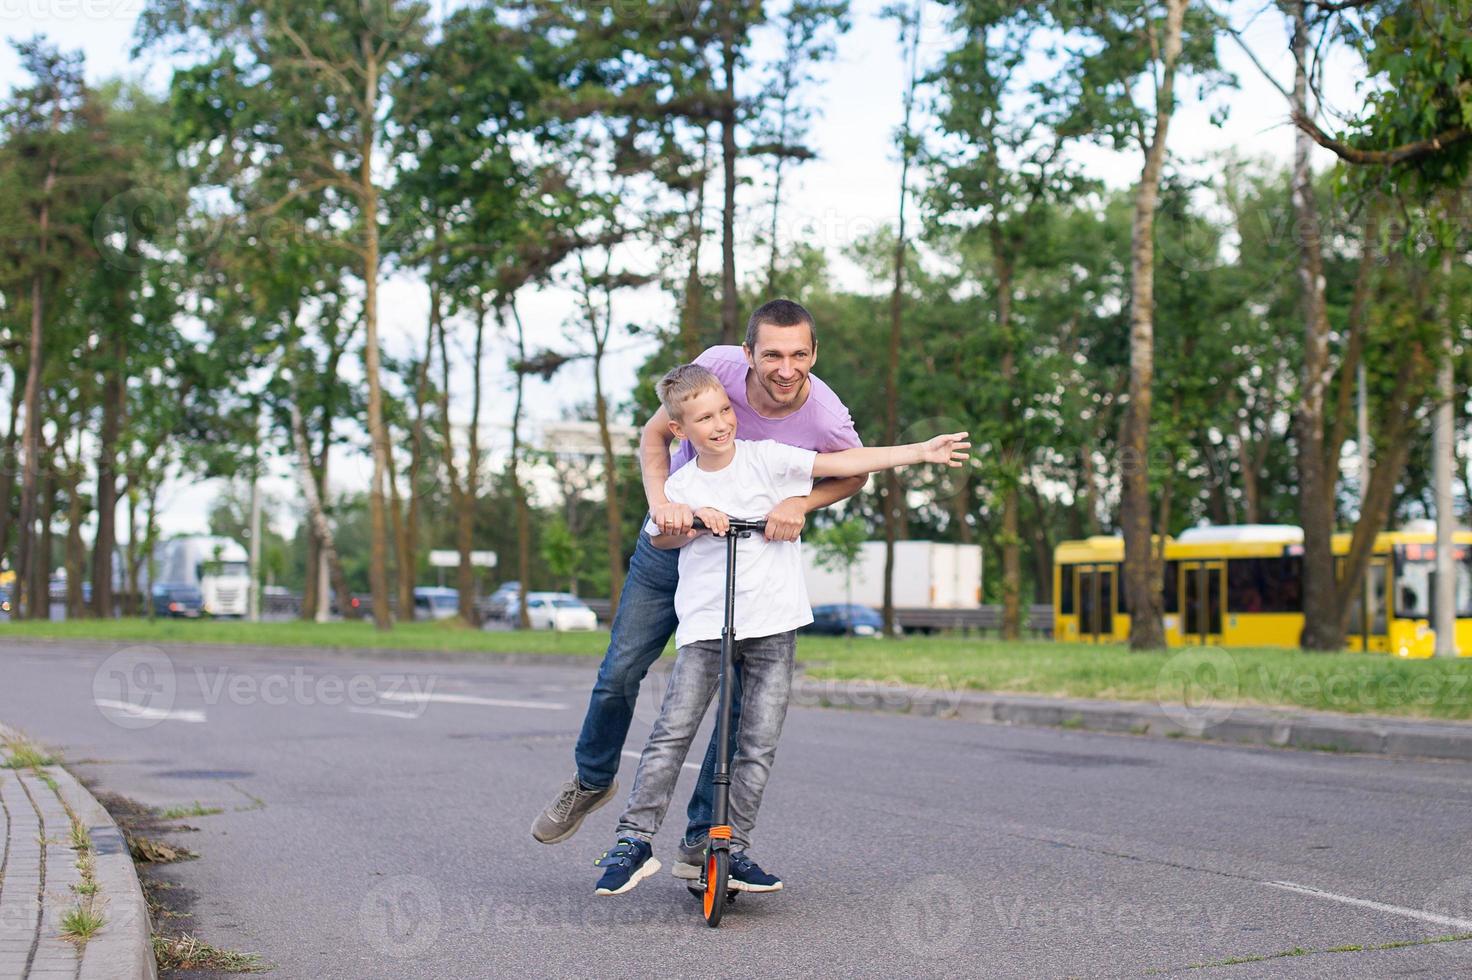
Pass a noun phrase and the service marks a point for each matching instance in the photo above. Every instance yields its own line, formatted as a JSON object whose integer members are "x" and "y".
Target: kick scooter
{"x": 713, "y": 891}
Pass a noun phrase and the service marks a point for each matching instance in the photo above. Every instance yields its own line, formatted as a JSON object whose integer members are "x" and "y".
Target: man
{"x": 769, "y": 382}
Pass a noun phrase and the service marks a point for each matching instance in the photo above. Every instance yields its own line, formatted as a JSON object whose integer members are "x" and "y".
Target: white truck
{"x": 218, "y": 567}
{"x": 927, "y": 575}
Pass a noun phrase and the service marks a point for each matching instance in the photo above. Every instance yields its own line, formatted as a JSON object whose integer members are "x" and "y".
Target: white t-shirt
{"x": 771, "y": 596}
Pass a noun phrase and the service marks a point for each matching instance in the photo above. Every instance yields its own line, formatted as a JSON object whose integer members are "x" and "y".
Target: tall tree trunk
{"x": 8, "y": 517}
{"x": 315, "y": 513}
{"x": 730, "y": 328}
{"x": 1444, "y": 602}
{"x": 378, "y": 434}
{"x": 690, "y": 342}
{"x": 523, "y": 517}
{"x": 1002, "y": 269}
{"x": 114, "y": 410}
{"x": 465, "y": 524}
{"x": 76, "y": 551}
{"x": 421, "y": 396}
{"x": 308, "y": 610}
{"x": 1316, "y": 479}
{"x": 403, "y": 554}
{"x": 893, "y": 495}
{"x": 1140, "y": 569}
{"x": 41, "y": 559}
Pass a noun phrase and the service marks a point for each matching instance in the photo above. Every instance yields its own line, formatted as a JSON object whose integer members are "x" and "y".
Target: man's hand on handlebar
{"x": 673, "y": 518}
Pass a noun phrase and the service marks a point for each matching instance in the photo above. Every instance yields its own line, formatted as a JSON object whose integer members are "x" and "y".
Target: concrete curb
{"x": 1237, "y": 724}
{"x": 123, "y": 948}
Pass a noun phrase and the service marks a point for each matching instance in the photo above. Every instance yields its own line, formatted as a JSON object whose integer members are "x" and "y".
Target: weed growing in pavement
{"x": 196, "y": 810}
{"x": 81, "y": 922}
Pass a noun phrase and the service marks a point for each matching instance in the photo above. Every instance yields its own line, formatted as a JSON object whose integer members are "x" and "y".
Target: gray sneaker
{"x": 689, "y": 861}
{"x": 565, "y": 815}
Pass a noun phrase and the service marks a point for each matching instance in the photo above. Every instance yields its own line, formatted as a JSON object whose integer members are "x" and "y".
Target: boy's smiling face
{"x": 709, "y": 422}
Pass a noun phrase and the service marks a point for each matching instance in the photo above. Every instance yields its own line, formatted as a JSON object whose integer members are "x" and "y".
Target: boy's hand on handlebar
{"x": 673, "y": 518}
{"x": 715, "y": 522}
{"x": 948, "y": 449}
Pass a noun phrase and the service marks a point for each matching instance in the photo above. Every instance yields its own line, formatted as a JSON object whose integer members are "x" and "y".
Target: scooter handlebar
{"x": 737, "y": 524}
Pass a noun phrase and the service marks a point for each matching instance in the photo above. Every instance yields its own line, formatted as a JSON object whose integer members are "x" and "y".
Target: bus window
{"x": 1264, "y": 585}
{"x": 1170, "y": 593}
{"x": 1464, "y": 587}
{"x": 1413, "y": 589}
{"x": 1124, "y": 605}
{"x": 1065, "y": 590}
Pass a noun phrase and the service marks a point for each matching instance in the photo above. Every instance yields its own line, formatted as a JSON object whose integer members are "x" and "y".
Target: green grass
{"x": 80, "y": 922}
{"x": 197, "y": 809}
{"x": 1344, "y": 682}
{"x": 441, "y": 636}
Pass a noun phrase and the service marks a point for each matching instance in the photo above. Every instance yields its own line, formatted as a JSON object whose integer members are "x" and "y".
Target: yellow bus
{"x": 1242, "y": 586}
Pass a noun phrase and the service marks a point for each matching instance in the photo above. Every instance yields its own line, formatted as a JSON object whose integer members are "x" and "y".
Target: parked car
{"x": 841, "y": 618}
{"x": 432, "y": 602}
{"x": 555, "y": 611}
{"x": 500, "y": 600}
{"x": 178, "y": 601}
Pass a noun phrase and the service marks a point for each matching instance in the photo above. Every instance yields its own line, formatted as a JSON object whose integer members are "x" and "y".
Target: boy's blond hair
{"x": 682, "y": 384}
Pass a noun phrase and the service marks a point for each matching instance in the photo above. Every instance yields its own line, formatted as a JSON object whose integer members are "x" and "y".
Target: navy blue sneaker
{"x": 746, "y": 876}
{"x": 627, "y": 863}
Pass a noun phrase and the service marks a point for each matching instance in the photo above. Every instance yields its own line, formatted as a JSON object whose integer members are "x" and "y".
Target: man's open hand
{"x": 948, "y": 449}
{"x": 673, "y": 518}
{"x": 787, "y": 519}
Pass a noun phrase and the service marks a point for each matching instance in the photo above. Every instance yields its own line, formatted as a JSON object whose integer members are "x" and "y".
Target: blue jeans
{"x": 642, "y": 626}
{"x": 765, "y": 666}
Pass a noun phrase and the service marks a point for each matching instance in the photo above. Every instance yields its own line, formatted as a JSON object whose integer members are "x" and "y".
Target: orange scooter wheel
{"x": 717, "y": 873}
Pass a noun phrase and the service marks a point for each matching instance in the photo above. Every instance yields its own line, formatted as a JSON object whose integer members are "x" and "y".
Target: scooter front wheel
{"x": 717, "y": 876}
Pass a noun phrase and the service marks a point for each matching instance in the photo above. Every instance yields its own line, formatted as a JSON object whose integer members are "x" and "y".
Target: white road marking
{"x": 386, "y": 712}
{"x": 153, "y": 714}
{"x": 635, "y": 756}
{"x": 421, "y": 697}
{"x": 1464, "y": 925}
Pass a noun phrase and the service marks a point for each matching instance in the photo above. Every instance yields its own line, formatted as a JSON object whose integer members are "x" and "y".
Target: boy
{"x": 741, "y": 478}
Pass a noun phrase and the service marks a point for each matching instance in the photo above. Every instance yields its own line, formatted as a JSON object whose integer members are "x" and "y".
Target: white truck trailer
{"x": 218, "y": 567}
{"x": 927, "y": 575}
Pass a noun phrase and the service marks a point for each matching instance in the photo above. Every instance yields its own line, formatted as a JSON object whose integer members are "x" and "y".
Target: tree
{"x": 1154, "y": 42}
{"x": 306, "y": 87}
{"x": 837, "y": 548}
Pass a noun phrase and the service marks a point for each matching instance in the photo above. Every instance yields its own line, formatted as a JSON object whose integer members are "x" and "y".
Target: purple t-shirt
{"x": 822, "y": 424}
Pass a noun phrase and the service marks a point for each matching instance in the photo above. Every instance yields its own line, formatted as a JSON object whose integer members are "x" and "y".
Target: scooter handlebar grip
{"x": 737, "y": 524}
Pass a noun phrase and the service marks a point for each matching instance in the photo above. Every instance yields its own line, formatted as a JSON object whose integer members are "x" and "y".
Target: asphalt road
{"x": 376, "y": 825}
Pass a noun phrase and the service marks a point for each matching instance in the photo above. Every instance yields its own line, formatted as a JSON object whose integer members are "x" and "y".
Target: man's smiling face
{"x": 781, "y": 361}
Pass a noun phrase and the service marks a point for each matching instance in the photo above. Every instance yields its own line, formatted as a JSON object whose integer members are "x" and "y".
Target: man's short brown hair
{"x": 779, "y": 313}
{"x": 682, "y": 384}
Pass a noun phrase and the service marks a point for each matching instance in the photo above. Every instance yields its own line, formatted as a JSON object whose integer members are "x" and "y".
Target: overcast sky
{"x": 851, "y": 189}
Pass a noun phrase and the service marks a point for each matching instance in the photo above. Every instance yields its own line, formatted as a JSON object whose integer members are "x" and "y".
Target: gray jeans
{"x": 765, "y": 665}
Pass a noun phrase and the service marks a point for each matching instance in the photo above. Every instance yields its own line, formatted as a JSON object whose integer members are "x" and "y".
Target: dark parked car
{"x": 178, "y": 601}
{"x": 836, "y": 620}
{"x": 506, "y": 595}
